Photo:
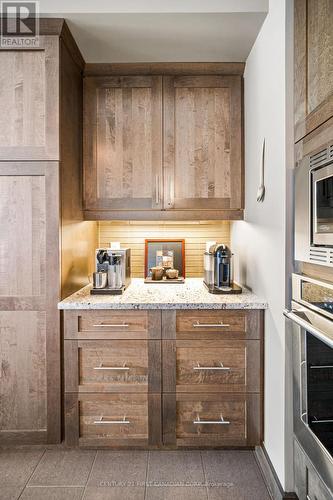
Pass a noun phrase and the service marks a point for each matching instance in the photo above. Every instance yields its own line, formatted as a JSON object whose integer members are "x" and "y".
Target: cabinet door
{"x": 29, "y": 93}
{"x": 313, "y": 65}
{"x": 29, "y": 290}
{"x": 203, "y": 142}
{"x": 122, "y": 143}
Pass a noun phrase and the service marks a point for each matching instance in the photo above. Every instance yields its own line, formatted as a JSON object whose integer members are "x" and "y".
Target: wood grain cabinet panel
{"x": 107, "y": 420}
{"x": 29, "y": 120}
{"x": 23, "y": 384}
{"x": 217, "y": 366}
{"x": 211, "y": 420}
{"x": 313, "y": 91}
{"x": 122, "y": 143}
{"x": 206, "y": 324}
{"x": 106, "y": 366}
{"x": 106, "y": 325}
{"x": 203, "y": 142}
{"x": 29, "y": 322}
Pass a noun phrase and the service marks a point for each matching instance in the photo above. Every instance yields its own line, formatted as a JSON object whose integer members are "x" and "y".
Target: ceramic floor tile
{"x": 119, "y": 468}
{"x": 10, "y": 492}
{"x": 231, "y": 469}
{"x": 51, "y": 493}
{"x": 175, "y": 468}
{"x": 176, "y": 493}
{"x": 116, "y": 493}
{"x": 63, "y": 468}
{"x": 16, "y": 466}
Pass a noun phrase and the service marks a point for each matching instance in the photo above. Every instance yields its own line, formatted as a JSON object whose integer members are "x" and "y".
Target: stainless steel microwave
{"x": 314, "y": 208}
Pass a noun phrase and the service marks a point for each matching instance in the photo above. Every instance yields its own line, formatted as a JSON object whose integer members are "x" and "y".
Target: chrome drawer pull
{"x": 211, "y": 422}
{"x": 321, "y": 366}
{"x": 221, "y": 367}
{"x": 102, "y": 367}
{"x": 324, "y": 421}
{"x": 101, "y": 421}
{"x": 110, "y": 325}
{"x": 210, "y": 325}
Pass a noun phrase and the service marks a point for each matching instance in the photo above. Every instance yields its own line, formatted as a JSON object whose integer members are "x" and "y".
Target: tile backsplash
{"x": 133, "y": 234}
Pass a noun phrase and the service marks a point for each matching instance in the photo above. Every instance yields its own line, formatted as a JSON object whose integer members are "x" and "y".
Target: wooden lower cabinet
{"x": 112, "y": 420}
{"x": 211, "y": 420}
{"x": 163, "y": 378}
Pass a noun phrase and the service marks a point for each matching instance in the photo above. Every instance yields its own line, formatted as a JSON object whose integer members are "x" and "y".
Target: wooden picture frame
{"x": 164, "y": 242}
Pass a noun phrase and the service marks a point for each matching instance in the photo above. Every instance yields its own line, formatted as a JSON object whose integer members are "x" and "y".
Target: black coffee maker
{"x": 219, "y": 271}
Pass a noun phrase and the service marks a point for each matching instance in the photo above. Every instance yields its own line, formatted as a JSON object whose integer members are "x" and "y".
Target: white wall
{"x": 258, "y": 243}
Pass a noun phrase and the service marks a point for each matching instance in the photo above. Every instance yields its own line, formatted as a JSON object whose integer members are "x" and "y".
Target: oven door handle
{"x": 292, "y": 314}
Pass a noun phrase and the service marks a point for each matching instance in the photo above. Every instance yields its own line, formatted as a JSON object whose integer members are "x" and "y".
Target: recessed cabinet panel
{"x": 22, "y": 210}
{"x": 123, "y": 126}
{"x": 313, "y": 67}
{"x": 113, "y": 419}
{"x": 320, "y": 52}
{"x": 203, "y": 142}
{"x": 23, "y": 372}
{"x": 29, "y": 119}
{"x": 117, "y": 366}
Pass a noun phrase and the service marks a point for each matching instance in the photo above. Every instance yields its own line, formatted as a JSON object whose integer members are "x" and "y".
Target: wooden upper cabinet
{"x": 163, "y": 146}
{"x": 313, "y": 65}
{"x": 29, "y": 96}
{"x": 202, "y": 142}
{"x": 123, "y": 143}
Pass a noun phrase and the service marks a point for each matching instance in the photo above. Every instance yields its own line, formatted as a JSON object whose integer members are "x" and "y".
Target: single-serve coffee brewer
{"x": 218, "y": 270}
{"x": 113, "y": 271}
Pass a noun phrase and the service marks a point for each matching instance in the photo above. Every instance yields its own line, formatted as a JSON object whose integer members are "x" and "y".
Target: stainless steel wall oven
{"x": 312, "y": 317}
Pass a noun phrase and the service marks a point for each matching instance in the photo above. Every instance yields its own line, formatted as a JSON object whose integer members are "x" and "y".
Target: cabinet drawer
{"x": 112, "y": 365}
{"x": 211, "y": 420}
{"x": 107, "y": 365}
{"x": 218, "y": 366}
{"x": 107, "y": 419}
{"x": 107, "y": 324}
{"x": 216, "y": 324}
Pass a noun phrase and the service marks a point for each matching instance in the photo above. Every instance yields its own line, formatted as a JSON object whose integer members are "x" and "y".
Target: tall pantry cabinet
{"x": 40, "y": 217}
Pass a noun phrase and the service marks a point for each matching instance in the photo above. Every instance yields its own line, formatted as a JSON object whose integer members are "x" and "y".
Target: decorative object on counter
{"x": 218, "y": 270}
{"x": 113, "y": 271}
{"x": 168, "y": 255}
{"x": 261, "y": 188}
{"x": 157, "y": 273}
{"x": 171, "y": 274}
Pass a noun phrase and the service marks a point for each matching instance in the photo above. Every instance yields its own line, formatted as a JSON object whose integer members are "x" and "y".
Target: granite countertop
{"x": 139, "y": 295}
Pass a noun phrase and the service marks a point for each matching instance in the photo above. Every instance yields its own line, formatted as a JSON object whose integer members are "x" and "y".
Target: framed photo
{"x": 165, "y": 253}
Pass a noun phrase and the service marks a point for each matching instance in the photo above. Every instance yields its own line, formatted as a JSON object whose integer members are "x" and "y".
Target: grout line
{"x": 89, "y": 475}
{"x": 204, "y": 473}
{"x": 32, "y": 473}
{"x": 54, "y": 486}
{"x": 148, "y": 457}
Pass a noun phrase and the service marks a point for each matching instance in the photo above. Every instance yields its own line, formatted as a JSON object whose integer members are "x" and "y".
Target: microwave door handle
{"x": 292, "y": 314}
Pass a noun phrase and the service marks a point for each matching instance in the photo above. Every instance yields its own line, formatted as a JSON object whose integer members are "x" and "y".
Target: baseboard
{"x": 270, "y": 477}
